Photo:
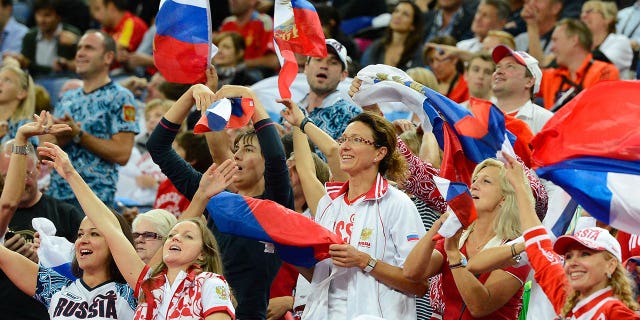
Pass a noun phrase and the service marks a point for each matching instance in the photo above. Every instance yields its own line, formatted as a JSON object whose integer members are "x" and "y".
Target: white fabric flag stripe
{"x": 452, "y": 224}
{"x": 54, "y": 252}
{"x": 195, "y": 3}
{"x": 282, "y": 12}
{"x": 625, "y": 204}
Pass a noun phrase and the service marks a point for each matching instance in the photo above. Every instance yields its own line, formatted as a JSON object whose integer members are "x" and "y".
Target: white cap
{"x": 593, "y": 238}
{"x": 524, "y": 59}
{"x": 335, "y": 47}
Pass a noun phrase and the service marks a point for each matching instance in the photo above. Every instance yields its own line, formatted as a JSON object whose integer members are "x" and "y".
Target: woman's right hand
{"x": 355, "y": 86}
{"x": 217, "y": 178}
{"x": 203, "y": 96}
{"x": 292, "y": 112}
{"x": 58, "y": 159}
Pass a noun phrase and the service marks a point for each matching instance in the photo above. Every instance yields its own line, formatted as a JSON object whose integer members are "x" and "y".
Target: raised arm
{"x": 213, "y": 181}
{"x": 329, "y": 147}
{"x": 123, "y": 252}
{"x": 16, "y": 172}
{"x": 485, "y": 298}
{"x": 424, "y": 261}
{"x": 19, "y": 269}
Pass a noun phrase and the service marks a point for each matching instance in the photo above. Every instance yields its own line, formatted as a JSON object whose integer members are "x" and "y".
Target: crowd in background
{"x": 125, "y": 178}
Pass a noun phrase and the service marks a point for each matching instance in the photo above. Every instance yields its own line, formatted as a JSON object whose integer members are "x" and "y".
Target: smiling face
{"x": 357, "y": 152}
{"x": 587, "y": 269}
{"x": 594, "y": 18}
{"x": 91, "y": 249}
{"x": 248, "y": 156}
{"x": 510, "y": 78}
{"x": 91, "y": 58}
{"x": 324, "y": 74}
{"x": 486, "y": 189}
{"x": 183, "y": 246}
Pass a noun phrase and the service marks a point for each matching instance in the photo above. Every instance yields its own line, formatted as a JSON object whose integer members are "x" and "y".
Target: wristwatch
{"x": 370, "y": 265}
{"x": 77, "y": 137}
{"x": 461, "y": 264}
{"x": 24, "y": 150}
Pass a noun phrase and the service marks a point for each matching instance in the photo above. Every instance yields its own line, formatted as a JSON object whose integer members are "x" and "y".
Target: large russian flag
{"x": 466, "y": 138}
{"x": 182, "y": 44}
{"x": 225, "y": 113}
{"x": 297, "y": 30}
{"x": 459, "y": 200}
{"x": 591, "y": 148}
{"x": 298, "y": 240}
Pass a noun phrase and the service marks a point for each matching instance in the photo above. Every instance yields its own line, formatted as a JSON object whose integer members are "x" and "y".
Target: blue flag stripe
{"x": 182, "y": 22}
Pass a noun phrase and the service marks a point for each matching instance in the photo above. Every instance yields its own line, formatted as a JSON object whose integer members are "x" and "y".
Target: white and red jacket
{"x": 549, "y": 273}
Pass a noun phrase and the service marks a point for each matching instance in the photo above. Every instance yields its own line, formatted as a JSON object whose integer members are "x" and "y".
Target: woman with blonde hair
{"x": 17, "y": 100}
{"x": 600, "y": 18}
{"x": 491, "y": 295}
{"x": 581, "y": 274}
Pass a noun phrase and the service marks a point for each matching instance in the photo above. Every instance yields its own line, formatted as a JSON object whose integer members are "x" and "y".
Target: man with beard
{"x": 324, "y": 104}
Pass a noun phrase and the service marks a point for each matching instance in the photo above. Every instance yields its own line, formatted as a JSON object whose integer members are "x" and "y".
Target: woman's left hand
{"x": 346, "y": 256}
{"x": 58, "y": 159}
{"x": 42, "y": 124}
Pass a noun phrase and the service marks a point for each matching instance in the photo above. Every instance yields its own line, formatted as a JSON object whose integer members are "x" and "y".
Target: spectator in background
{"x": 452, "y": 18}
{"x": 330, "y": 20}
{"x": 102, "y": 116}
{"x": 257, "y": 30}
{"x": 229, "y": 61}
{"x": 12, "y": 31}
{"x": 497, "y": 37}
{"x": 126, "y": 29}
{"x": 600, "y": 18}
{"x": 540, "y": 17}
{"x": 478, "y": 75}
{"x": 401, "y": 45}
{"x": 515, "y": 24}
{"x": 448, "y": 69}
{"x": 49, "y": 48}
{"x": 17, "y": 101}
{"x": 329, "y": 109}
{"x": 515, "y": 82}
{"x": 150, "y": 230}
{"x": 141, "y": 62}
{"x": 572, "y": 43}
{"x": 629, "y": 25}
{"x": 491, "y": 15}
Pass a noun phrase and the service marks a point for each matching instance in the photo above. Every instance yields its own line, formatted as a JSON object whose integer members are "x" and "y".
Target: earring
{"x": 608, "y": 275}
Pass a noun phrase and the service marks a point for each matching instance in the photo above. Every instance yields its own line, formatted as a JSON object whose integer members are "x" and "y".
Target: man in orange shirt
{"x": 126, "y": 28}
{"x": 577, "y": 69}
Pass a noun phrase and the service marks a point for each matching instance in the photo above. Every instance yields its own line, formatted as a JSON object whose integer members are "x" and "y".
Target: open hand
{"x": 217, "y": 178}
{"x": 292, "y": 112}
{"x": 58, "y": 159}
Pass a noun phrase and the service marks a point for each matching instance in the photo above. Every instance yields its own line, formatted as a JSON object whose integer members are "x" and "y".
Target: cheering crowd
{"x": 104, "y": 157}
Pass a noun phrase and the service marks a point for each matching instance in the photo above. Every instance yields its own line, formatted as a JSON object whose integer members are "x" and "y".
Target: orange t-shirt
{"x": 590, "y": 72}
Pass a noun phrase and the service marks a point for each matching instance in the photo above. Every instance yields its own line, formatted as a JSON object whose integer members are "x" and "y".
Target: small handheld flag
{"x": 225, "y": 113}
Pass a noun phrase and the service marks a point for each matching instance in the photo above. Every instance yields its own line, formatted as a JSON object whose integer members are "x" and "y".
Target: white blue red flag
{"x": 297, "y": 30}
{"x": 459, "y": 200}
{"x": 54, "y": 252}
{"x": 225, "y": 113}
{"x": 298, "y": 240}
{"x": 591, "y": 149}
{"x": 182, "y": 48}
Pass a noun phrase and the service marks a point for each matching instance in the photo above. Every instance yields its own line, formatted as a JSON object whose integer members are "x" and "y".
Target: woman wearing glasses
{"x": 149, "y": 232}
{"x": 378, "y": 223}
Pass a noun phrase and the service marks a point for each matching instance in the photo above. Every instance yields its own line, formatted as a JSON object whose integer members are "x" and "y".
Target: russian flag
{"x": 182, "y": 44}
{"x": 466, "y": 138}
{"x": 54, "y": 252}
{"x": 225, "y": 113}
{"x": 591, "y": 149}
{"x": 298, "y": 240}
{"x": 297, "y": 30}
{"x": 459, "y": 201}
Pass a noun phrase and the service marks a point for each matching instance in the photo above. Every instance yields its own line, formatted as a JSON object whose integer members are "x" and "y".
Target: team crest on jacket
{"x": 129, "y": 112}
{"x": 365, "y": 237}
{"x": 221, "y": 291}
